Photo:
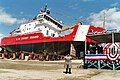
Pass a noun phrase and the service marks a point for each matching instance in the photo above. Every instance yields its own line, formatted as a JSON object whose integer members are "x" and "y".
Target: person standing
{"x": 68, "y": 64}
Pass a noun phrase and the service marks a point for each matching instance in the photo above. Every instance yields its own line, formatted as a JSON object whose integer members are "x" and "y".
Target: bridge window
{"x": 53, "y": 21}
{"x": 41, "y": 20}
{"x": 52, "y": 34}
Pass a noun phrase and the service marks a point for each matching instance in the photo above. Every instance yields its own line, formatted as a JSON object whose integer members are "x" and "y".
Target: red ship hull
{"x": 37, "y": 42}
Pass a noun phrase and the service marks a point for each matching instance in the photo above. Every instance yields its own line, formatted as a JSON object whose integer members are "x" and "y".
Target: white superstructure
{"x": 42, "y": 23}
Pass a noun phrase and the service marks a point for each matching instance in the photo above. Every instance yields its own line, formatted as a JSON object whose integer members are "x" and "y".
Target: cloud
{"x": 6, "y": 18}
{"x": 110, "y": 16}
{"x": 1, "y": 36}
{"x": 21, "y": 12}
{"x": 21, "y": 21}
{"x": 114, "y": 4}
{"x": 74, "y": 6}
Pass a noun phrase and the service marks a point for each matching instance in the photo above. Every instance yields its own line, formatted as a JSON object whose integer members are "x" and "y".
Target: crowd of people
{"x": 95, "y": 49}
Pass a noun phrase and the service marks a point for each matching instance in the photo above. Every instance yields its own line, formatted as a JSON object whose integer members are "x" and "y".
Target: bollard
{"x": 3, "y": 56}
{"x": 14, "y": 56}
{"x": 22, "y": 56}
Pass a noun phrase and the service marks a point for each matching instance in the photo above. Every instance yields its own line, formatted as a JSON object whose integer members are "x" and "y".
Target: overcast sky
{"x": 90, "y": 12}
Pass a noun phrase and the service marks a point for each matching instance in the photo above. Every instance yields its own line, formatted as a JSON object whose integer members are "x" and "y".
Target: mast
{"x": 45, "y": 8}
